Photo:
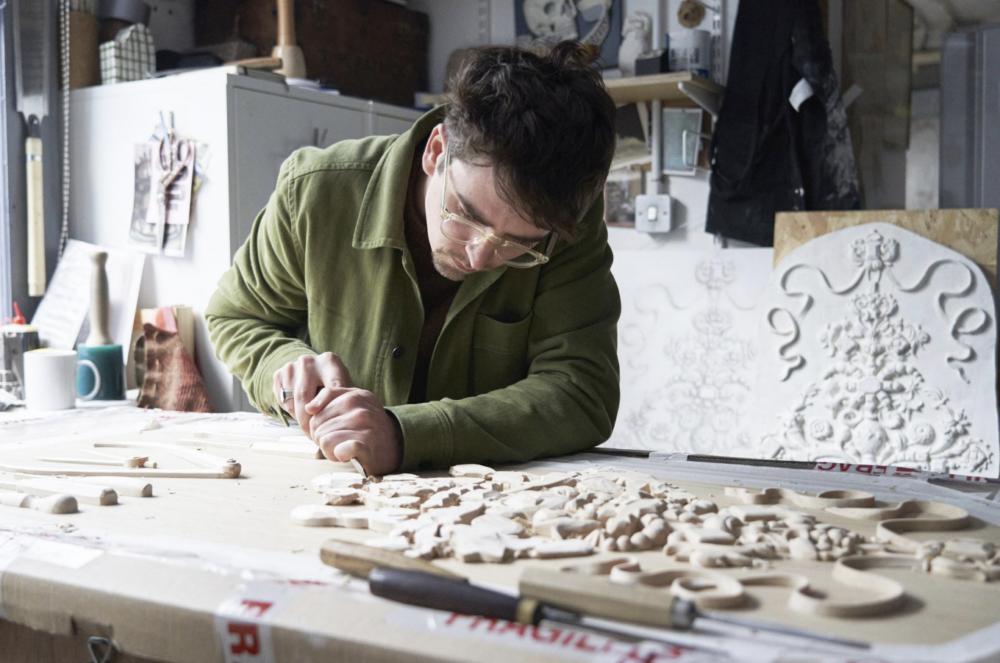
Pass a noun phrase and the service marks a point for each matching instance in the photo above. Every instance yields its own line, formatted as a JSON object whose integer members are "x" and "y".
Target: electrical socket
{"x": 653, "y": 213}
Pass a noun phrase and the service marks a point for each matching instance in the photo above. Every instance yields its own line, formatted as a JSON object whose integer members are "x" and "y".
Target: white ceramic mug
{"x": 50, "y": 379}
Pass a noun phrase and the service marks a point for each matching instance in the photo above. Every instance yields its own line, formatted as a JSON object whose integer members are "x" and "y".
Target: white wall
{"x": 465, "y": 23}
{"x": 106, "y": 122}
{"x": 923, "y": 159}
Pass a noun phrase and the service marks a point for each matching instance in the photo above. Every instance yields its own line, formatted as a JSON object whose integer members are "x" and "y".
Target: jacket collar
{"x": 380, "y": 221}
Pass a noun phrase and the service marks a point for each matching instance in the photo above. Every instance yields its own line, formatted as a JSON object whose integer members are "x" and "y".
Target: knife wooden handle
{"x": 358, "y": 560}
{"x": 36, "y": 217}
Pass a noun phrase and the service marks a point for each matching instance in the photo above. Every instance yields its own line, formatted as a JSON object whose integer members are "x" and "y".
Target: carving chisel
{"x": 433, "y": 591}
{"x": 596, "y": 596}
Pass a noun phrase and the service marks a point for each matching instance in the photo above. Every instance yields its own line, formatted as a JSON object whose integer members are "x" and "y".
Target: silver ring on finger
{"x": 285, "y": 394}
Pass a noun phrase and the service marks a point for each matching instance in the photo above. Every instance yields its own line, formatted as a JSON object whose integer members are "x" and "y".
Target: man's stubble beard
{"x": 445, "y": 267}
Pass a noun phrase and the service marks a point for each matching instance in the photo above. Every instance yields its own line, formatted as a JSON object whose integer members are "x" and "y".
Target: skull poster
{"x": 589, "y": 21}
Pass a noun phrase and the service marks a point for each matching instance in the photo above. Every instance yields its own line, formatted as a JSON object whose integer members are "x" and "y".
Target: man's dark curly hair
{"x": 543, "y": 121}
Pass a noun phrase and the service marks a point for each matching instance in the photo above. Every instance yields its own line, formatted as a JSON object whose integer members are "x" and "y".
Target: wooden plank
{"x": 658, "y": 86}
{"x": 971, "y": 232}
{"x": 253, "y": 511}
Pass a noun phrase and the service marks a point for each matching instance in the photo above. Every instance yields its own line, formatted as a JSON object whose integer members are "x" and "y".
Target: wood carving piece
{"x": 85, "y": 493}
{"x": 56, "y": 504}
{"x": 568, "y": 548}
{"x": 823, "y": 500}
{"x": 336, "y": 481}
{"x": 471, "y": 470}
{"x": 319, "y": 515}
{"x": 386, "y": 519}
{"x": 497, "y": 525}
{"x": 291, "y": 447}
{"x": 342, "y": 496}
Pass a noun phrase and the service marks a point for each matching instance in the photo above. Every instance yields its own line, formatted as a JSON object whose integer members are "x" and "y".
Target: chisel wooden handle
{"x": 359, "y": 560}
{"x": 594, "y": 596}
{"x": 36, "y": 217}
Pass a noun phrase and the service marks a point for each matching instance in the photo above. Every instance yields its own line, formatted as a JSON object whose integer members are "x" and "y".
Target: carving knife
{"x": 570, "y": 605}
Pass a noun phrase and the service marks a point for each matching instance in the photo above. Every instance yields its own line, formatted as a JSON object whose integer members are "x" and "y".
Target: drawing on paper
{"x": 686, "y": 348}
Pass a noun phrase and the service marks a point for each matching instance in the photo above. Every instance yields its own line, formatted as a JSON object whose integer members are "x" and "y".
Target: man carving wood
{"x": 443, "y": 296}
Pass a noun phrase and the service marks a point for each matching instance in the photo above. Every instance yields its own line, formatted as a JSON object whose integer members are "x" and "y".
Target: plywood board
{"x": 971, "y": 232}
{"x": 253, "y": 512}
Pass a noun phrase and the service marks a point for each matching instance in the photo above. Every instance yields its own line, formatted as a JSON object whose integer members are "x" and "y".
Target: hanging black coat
{"x": 766, "y": 156}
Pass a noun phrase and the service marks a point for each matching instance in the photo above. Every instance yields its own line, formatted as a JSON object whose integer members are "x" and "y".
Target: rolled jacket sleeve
{"x": 568, "y": 401}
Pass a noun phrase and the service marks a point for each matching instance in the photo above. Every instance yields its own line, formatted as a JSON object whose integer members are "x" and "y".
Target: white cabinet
{"x": 251, "y": 125}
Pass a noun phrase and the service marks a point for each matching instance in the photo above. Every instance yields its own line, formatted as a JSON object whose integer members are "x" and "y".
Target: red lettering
{"x": 553, "y": 634}
{"x": 880, "y": 470}
{"x": 491, "y": 624}
{"x": 845, "y": 467}
{"x": 863, "y": 469}
{"x": 248, "y": 638}
{"x": 569, "y": 638}
{"x": 453, "y": 617}
{"x": 520, "y": 629}
{"x": 250, "y": 606}
{"x": 582, "y": 644}
{"x": 825, "y": 467}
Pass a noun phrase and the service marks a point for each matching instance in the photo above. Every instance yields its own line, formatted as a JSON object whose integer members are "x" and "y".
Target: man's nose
{"x": 480, "y": 255}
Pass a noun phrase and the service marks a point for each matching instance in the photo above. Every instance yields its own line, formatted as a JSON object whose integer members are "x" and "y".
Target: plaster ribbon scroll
{"x": 243, "y": 621}
{"x": 878, "y": 346}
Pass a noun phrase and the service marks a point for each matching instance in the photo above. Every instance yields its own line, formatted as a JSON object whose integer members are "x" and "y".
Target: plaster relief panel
{"x": 686, "y": 347}
{"x": 878, "y": 346}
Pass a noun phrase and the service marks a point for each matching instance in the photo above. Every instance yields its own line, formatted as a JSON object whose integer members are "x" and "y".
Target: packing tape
{"x": 242, "y": 622}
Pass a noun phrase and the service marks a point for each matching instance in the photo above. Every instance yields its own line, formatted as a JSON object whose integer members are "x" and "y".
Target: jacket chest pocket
{"x": 500, "y": 352}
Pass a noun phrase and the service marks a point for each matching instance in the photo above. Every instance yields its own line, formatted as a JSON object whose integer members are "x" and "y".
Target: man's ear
{"x": 434, "y": 151}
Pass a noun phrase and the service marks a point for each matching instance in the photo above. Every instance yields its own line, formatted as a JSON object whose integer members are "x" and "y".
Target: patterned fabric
{"x": 130, "y": 57}
{"x": 172, "y": 381}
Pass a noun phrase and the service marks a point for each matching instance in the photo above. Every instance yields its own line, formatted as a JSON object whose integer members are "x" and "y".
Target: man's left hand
{"x": 352, "y": 423}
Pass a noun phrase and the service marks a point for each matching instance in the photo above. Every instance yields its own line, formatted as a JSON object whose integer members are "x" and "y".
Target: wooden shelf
{"x": 665, "y": 87}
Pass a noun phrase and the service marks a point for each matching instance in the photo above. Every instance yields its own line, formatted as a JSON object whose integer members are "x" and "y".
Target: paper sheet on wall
{"x": 687, "y": 347}
{"x": 61, "y": 315}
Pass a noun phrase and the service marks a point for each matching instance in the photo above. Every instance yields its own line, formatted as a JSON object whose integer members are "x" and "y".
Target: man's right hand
{"x": 304, "y": 377}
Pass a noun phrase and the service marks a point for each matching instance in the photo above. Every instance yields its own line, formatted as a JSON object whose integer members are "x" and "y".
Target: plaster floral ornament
{"x": 874, "y": 349}
{"x": 685, "y": 351}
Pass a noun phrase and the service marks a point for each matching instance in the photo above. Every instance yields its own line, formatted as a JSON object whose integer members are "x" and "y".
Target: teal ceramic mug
{"x": 107, "y": 380}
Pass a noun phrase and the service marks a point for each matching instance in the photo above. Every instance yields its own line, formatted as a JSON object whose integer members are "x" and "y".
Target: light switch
{"x": 653, "y": 214}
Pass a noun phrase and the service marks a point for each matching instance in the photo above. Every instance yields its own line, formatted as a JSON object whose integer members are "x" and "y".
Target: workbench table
{"x": 212, "y": 570}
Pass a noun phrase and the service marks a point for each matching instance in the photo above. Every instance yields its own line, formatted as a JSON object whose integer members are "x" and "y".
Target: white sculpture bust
{"x": 636, "y": 41}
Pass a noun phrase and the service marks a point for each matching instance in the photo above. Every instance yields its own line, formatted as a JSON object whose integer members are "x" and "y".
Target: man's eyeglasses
{"x": 463, "y": 231}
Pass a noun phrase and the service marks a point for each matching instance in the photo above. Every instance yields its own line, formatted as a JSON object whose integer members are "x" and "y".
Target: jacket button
{"x": 398, "y": 351}
{"x": 272, "y": 411}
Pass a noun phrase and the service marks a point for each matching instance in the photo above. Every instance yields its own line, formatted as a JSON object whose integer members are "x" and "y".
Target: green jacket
{"x": 526, "y": 364}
